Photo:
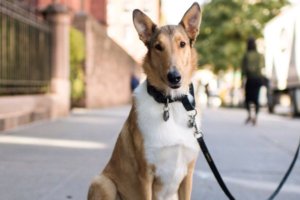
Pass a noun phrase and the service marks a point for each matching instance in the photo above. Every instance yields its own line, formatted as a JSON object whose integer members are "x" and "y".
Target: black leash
{"x": 189, "y": 106}
{"x": 222, "y": 183}
{"x": 213, "y": 167}
{"x": 286, "y": 174}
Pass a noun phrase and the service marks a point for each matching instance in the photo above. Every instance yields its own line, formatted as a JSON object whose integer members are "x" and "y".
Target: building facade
{"x": 116, "y": 15}
{"x": 95, "y": 8}
{"x": 120, "y": 26}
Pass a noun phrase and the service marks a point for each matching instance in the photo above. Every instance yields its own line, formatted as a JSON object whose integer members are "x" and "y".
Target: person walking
{"x": 134, "y": 82}
{"x": 252, "y": 79}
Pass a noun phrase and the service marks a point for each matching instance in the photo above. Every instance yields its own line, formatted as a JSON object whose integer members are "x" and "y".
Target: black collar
{"x": 159, "y": 97}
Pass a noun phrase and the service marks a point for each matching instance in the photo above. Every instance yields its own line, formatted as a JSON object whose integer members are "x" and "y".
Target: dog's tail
{"x": 102, "y": 188}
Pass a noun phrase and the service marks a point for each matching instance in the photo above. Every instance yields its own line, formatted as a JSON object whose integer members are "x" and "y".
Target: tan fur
{"x": 185, "y": 187}
{"x": 127, "y": 168}
{"x": 185, "y": 60}
{"x": 127, "y": 175}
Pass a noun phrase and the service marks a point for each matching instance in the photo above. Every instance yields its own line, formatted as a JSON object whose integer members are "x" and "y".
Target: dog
{"x": 156, "y": 151}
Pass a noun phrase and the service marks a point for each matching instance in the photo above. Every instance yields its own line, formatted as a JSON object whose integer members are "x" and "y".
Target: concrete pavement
{"x": 56, "y": 160}
{"x": 252, "y": 160}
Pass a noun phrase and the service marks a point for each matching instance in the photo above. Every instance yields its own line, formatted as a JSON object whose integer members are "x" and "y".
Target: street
{"x": 56, "y": 160}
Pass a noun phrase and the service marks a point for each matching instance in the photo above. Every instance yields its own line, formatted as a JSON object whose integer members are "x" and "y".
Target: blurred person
{"x": 252, "y": 79}
{"x": 134, "y": 82}
{"x": 207, "y": 92}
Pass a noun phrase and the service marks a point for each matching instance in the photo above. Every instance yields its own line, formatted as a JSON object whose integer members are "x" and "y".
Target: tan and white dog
{"x": 154, "y": 158}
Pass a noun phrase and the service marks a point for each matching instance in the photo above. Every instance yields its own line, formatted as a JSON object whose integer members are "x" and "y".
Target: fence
{"x": 25, "y": 46}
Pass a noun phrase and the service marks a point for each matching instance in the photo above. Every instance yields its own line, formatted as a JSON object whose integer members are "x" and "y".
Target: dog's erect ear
{"x": 143, "y": 25}
{"x": 191, "y": 21}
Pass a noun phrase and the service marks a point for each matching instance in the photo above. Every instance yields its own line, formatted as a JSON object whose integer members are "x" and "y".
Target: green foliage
{"x": 225, "y": 27}
{"x": 77, "y": 56}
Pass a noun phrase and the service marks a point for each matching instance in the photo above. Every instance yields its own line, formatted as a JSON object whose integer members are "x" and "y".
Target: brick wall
{"x": 98, "y": 10}
{"x": 95, "y": 8}
{"x": 107, "y": 66}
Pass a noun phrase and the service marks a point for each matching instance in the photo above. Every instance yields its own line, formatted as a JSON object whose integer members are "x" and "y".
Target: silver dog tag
{"x": 166, "y": 114}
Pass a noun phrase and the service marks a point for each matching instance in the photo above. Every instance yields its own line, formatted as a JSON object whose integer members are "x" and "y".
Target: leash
{"x": 219, "y": 179}
{"x": 286, "y": 174}
{"x": 213, "y": 167}
{"x": 190, "y": 106}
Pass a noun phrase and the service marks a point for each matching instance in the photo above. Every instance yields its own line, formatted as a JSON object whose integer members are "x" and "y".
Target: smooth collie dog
{"x": 155, "y": 154}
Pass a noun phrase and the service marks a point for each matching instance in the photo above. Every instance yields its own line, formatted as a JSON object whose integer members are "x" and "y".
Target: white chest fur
{"x": 169, "y": 145}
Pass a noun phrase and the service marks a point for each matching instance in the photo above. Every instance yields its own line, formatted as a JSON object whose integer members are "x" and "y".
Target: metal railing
{"x": 25, "y": 51}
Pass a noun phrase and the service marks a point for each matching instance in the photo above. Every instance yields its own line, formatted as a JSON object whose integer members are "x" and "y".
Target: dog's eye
{"x": 182, "y": 44}
{"x": 158, "y": 47}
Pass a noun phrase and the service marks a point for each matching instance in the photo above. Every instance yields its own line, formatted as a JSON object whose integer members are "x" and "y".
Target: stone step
{"x": 16, "y": 119}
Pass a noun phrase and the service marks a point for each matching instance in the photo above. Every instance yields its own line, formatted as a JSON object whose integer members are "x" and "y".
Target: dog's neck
{"x": 188, "y": 100}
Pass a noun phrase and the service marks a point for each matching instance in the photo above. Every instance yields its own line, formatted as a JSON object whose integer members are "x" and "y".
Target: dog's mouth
{"x": 174, "y": 86}
{"x": 170, "y": 85}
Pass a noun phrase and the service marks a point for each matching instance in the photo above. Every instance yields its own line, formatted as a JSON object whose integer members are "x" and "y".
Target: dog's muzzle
{"x": 174, "y": 78}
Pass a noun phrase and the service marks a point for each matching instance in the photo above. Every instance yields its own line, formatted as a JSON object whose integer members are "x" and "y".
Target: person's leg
{"x": 248, "y": 100}
{"x": 254, "y": 120}
{"x": 256, "y": 107}
{"x": 248, "y": 108}
{"x": 256, "y": 101}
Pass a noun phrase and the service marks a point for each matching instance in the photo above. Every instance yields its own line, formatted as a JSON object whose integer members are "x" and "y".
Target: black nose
{"x": 174, "y": 77}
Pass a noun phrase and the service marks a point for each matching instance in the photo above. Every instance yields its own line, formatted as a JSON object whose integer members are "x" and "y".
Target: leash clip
{"x": 198, "y": 134}
{"x": 192, "y": 124}
{"x": 192, "y": 120}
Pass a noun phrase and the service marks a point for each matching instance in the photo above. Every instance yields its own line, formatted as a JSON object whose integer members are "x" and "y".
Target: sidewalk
{"x": 252, "y": 160}
{"x": 56, "y": 160}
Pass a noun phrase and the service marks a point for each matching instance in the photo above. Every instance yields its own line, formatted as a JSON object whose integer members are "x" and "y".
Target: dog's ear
{"x": 143, "y": 25}
{"x": 191, "y": 21}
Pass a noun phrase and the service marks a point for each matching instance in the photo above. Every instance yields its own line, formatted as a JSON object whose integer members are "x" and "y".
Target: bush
{"x": 77, "y": 56}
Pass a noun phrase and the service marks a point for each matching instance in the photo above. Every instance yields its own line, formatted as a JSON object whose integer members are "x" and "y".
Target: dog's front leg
{"x": 146, "y": 183}
{"x": 185, "y": 188}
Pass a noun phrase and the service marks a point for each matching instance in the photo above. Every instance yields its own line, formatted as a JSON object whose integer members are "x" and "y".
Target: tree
{"x": 225, "y": 27}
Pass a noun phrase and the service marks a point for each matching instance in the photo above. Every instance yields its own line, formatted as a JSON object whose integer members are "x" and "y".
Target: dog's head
{"x": 171, "y": 58}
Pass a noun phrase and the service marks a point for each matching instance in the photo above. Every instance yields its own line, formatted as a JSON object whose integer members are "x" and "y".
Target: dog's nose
{"x": 174, "y": 76}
